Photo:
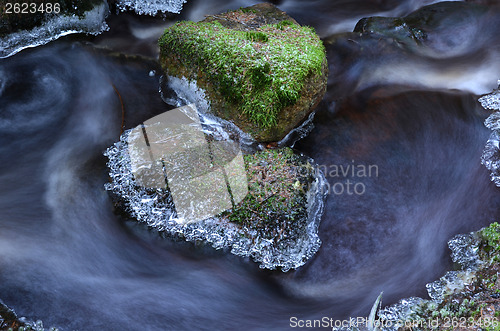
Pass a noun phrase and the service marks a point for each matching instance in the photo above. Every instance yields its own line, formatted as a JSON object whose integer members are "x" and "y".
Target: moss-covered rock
{"x": 258, "y": 66}
{"x": 275, "y": 223}
{"x": 276, "y": 202}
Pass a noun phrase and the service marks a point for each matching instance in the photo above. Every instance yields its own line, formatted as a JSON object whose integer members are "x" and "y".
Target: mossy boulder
{"x": 275, "y": 223}
{"x": 259, "y": 68}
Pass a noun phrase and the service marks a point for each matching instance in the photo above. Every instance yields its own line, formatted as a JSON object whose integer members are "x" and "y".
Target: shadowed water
{"x": 430, "y": 185}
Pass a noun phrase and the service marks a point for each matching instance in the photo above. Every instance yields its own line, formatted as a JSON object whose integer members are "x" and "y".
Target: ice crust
{"x": 92, "y": 22}
{"x": 491, "y": 153}
{"x": 152, "y": 7}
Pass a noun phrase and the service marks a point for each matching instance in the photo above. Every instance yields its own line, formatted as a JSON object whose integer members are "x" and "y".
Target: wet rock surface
{"x": 260, "y": 69}
{"x": 445, "y": 45}
{"x": 443, "y": 28}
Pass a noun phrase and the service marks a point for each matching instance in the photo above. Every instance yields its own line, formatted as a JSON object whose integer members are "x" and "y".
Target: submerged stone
{"x": 259, "y": 68}
{"x": 444, "y": 27}
{"x": 467, "y": 298}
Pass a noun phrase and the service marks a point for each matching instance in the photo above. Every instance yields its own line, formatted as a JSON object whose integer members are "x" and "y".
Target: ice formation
{"x": 464, "y": 250}
{"x": 92, "y": 22}
{"x": 152, "y": 7}
{"x": 491, "y": 153}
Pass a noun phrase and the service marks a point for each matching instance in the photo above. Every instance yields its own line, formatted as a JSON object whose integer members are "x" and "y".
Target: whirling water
{"x": 67, "y": 259}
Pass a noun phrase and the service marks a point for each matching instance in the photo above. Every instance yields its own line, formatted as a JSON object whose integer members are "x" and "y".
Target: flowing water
{"x": 66, "y": 258}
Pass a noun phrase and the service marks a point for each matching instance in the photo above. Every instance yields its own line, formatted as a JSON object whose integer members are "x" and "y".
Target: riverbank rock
{"x": 36, "y": 23}
{"x": 9, "y": 321}
{"x": 259, "y": 68}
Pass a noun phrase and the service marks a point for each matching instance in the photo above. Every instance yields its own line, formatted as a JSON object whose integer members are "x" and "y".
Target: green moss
{"x": 260, "y": 71}
{"x": 490, "y": 242}
{"x": 283, "y": 24}
{"x": 247, "y": 10}
{"x": 256, "y": 36}
{"x": 276, "y": 200}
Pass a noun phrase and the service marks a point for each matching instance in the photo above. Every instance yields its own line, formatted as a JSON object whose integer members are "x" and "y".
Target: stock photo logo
{"x": 204, "y": 177}
{"x": 350, "y": 179}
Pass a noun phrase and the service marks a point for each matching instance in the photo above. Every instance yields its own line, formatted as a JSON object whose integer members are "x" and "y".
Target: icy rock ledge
{"x": 155, "y": 208}
{"x": 10, "y": 321}
{"x": 464, "y": 251}
{"x": 416, "y": 312}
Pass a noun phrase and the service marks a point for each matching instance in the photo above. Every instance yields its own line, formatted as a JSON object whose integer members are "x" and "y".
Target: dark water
{"x": 67, "y": 259}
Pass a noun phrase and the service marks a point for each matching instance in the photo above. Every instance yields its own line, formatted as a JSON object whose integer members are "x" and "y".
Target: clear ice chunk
{"x": 491, "y": 101}
{"x": 491, "y": 154}
{"x": 451, "y": 282}
{"x": 464, "y": 250}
